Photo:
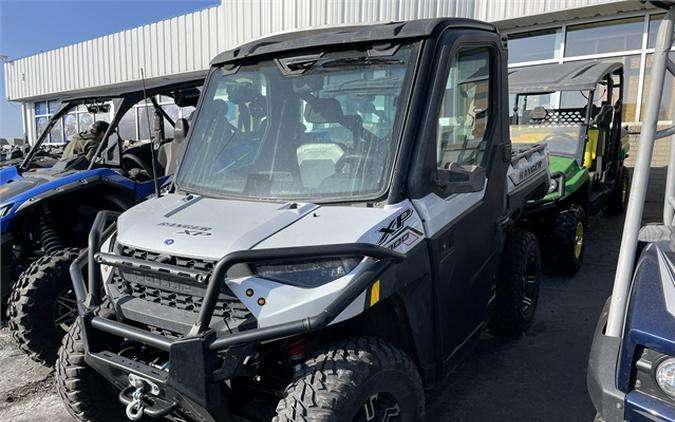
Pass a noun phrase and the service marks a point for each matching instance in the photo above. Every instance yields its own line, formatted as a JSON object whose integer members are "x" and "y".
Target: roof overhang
{"x": 153, "y": 86}
{"x": 612, "y": 8}
{"x": 571, "y": 76}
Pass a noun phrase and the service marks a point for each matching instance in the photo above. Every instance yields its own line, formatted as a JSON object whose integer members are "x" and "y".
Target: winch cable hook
{"x": 135, "y": 407}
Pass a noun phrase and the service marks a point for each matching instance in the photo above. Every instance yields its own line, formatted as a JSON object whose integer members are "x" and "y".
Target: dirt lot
{"x": 538, "y": 377}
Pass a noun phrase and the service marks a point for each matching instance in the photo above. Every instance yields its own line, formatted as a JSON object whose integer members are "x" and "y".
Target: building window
{"x": 654, "y": 22}
{"x": 134, "y": 124}
{"x": 667, "y": 107}
{"x": 75, "y": 121}
{"x": 535, "y": 46}
{"x": 604, "y": 37}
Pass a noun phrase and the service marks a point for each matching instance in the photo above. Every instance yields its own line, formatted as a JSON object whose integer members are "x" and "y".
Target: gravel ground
{"x": 537, "y": 377}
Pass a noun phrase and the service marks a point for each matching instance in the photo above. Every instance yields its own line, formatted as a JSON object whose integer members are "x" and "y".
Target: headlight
{"x": 665, "y": 376}
{"x": 309, "y": 274}
{"x": 5, "y": 210}
{"x": 553, "y": 186}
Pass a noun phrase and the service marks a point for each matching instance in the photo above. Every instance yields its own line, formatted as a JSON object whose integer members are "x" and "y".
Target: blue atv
{"x": 48, "y": 204}
{"x": 631, "y": 369}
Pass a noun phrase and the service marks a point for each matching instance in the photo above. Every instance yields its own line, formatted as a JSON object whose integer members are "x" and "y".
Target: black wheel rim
{"x": 530, "y": 279}
{"x": 380, "y": 407}
{"x": 65, "y": 309}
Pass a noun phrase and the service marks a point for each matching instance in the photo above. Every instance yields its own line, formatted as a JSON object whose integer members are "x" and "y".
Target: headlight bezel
{"x": 646, "y": 368}
{"x": 307, "y": 274}
{"x": 4, "y": 210}
{"x": 668, "y": 390}
{"x": 553, "y": 185}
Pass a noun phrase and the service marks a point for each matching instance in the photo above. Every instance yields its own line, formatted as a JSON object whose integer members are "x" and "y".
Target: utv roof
{"x": 346, "y": 35}
{"x": 153, "y": 86}
{"x": 571, "y": 76}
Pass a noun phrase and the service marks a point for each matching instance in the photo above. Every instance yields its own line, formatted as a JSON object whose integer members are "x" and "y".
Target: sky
{"x": 28, "y": 27}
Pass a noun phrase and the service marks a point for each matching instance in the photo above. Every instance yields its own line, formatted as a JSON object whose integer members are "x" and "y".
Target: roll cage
{"x": 649, "y": 134}
{"x": 582, "y": 76}
{"x": 124, "y": 97}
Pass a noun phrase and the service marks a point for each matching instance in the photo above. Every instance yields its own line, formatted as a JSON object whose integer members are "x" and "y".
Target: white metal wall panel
{"x": 187, "y": 43}
{"x": 182, "y": 44}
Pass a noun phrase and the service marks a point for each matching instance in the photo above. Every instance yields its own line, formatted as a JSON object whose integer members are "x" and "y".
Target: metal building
{"x": 540, "y": 31}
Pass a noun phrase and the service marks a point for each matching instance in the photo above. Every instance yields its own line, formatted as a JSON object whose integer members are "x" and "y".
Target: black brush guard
{"x": 199, "y": 362}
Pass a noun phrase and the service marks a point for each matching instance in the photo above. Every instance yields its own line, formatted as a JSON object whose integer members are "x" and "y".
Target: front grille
{"x": 192, "y": 263}
{"x": 228, "y": 307}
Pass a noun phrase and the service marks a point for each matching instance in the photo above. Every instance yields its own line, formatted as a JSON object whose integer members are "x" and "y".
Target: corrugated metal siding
{"x": 181, "y": 44}
{"x": 187, "y": 43}
{"x": 249, "y": 19}
{"x": 497, "y": 10}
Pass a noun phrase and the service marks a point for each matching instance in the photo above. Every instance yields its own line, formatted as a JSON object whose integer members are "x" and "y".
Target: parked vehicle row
{"x": 349, "y": 210}
{"x": 50, "y": 199}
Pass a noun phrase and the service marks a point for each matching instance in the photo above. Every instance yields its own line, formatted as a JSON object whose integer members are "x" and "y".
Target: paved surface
{"x": 538, "y": 377}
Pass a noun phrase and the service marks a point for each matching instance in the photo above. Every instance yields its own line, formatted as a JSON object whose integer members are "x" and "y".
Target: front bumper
{"x": 199, "y": 362}
{"x": 601, "y": 374}
{"x": 641, "y": 407}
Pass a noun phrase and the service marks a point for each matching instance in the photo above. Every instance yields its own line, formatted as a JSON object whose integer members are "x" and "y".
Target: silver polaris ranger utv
{"x": 340, "y": 230}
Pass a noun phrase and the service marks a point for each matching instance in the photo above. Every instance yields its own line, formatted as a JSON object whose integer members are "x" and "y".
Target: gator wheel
{"x": 42, "y": 306}
{"x": 87, "y": 395}
{"x": 358, "y": 379}
{"x": 567, "y": 241}
{"x": 517, "y": 285}
{"x": 618, "y": 199}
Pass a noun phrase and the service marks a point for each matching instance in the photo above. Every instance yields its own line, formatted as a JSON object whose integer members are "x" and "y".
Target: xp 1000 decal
{"x": 402, "y": 232}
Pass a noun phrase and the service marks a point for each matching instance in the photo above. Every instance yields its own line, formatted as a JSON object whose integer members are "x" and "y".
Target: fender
{"x": 22, "y": 201}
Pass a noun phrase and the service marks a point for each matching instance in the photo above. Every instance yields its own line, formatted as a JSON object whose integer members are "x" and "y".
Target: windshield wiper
{"x": 363, "y": 60}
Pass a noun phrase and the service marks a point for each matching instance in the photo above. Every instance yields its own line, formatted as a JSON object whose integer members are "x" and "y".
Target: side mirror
{"x": 460, "y": 179}
{"x": 180, "y": 130}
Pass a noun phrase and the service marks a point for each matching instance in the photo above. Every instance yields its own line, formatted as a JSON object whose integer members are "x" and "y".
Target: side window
{"x": 465, "y": 111}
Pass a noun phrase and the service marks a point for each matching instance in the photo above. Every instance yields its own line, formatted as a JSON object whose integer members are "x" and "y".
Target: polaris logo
{"x": 395, "y": 226}
{"x": 188, "y": 229}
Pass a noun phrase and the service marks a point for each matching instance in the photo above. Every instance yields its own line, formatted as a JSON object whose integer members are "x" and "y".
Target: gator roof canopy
{"x": 153, "y": 86}
{"x": 345, "y": 35}
{"x": 571, "y": 76}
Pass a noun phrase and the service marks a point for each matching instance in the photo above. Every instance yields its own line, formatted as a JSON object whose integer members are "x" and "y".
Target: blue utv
{"x": 631, "y": 369}
{"x": 48, "y": 203}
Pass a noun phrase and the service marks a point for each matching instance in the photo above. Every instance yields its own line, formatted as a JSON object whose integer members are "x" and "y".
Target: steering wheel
{"x": 348, "y": 163}
{"x": 136, "y": 162}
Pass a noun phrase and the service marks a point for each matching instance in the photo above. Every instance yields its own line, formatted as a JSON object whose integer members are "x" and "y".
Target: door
{"x": 465, "y": 131}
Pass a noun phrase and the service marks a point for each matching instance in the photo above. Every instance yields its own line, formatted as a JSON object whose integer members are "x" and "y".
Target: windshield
{"x": 322, "y": 129}
{"x": 554, "y": 118}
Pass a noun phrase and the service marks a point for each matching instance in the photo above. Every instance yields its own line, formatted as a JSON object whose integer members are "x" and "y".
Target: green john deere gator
{"x": 574, "y": 108}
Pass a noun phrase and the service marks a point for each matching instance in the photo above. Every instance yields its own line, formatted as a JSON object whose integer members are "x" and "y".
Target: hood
{"x": 9, "y": 173}
{"x": 206, "y": 228}
{"x": 650, "y": 319}
{"x": 563, "y": 164}
{"x": 18, "y": 185}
